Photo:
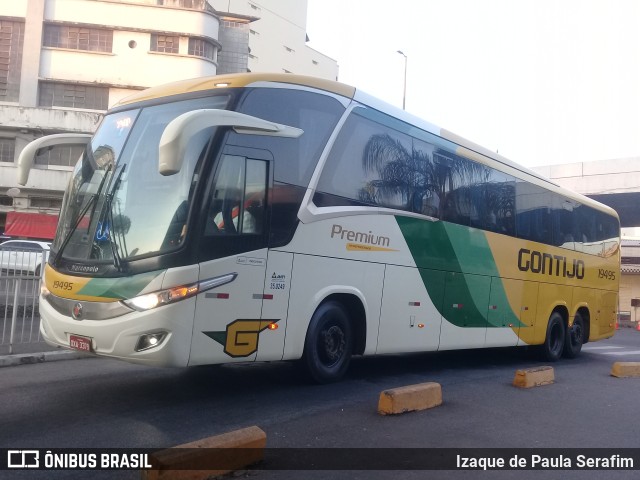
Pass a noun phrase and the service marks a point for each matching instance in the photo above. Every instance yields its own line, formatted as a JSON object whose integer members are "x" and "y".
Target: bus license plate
{"x": 80, "y": 343}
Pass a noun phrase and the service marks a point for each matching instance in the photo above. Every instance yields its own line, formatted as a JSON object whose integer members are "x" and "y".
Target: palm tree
{"x": 407, "y": 179}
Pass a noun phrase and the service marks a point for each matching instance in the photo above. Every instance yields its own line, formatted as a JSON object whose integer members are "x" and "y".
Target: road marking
{"x": 589, "y": 347}
{"x": 633, "y": 352}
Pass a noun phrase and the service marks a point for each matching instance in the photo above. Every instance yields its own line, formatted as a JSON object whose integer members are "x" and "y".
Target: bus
{"x": 267, "y": 217}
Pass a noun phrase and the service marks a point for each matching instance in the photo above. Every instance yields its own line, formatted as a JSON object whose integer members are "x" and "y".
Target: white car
{"x": 24, "y": 256}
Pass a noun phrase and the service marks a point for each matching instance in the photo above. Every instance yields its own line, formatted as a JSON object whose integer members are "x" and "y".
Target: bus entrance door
{"x": 228, "y": 321}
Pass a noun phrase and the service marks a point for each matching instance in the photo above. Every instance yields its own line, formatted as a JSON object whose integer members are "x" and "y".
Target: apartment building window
{"x": 11, "y": 45}
{"x": 7, "y": 149}
{"x": 45, "y": 202}
{"x": 78, "y": 38}
{"x": 60, "y": 156}
{"x": 202, "y": 48}
{"x": 73, "y": 96}
{"x": 165, "y": 43}
{"x": 6, "y": 201}
{"x": 197, "y": 4}
{"x": 192, "y": 4}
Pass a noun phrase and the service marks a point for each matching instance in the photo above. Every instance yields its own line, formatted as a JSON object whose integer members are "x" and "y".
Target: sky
{"x": 542, "y": 82}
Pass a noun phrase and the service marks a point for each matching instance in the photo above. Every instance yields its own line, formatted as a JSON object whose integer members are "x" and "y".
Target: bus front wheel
{"x": 329, "y": 343}
{"x": 574, "y": 338}
{"x": 553, "y": 345}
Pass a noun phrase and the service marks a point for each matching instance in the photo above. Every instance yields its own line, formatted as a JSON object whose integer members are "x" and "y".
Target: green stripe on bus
{"x": 121, "y": 288}
{"x": 457, "y": 266}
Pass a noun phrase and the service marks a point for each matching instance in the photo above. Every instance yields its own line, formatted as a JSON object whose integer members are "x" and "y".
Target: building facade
{"x": 629, "y": 302}
{"x": 64, "y": 62}
{"x": 277, "y": 40}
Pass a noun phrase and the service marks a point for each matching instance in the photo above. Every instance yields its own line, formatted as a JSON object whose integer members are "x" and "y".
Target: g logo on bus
{"x": 76, "y": 311}
{"x": 241, "y": 337}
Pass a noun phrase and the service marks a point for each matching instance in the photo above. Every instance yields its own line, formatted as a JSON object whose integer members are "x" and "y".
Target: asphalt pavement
{"x": 105, "y": 403}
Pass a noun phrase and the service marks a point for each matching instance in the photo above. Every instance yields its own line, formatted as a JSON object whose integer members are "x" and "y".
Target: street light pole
{"x": 404, "y": 91}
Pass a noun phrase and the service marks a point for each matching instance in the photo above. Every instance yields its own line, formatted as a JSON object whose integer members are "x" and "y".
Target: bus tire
{"x": 553, "y": 345}
{"x": 574, "y": 337}
{"x": 329, "y": 343}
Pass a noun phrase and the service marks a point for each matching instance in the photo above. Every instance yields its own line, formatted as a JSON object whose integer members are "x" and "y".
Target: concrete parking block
{"x": 534, "y": 377}
{"x": 626, "y": 369}
{"x": 193, "y": 461}
{"x": 410, "y": 398}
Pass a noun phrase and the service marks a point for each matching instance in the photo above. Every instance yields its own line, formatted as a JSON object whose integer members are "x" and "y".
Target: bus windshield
{"x": 117, "y": 205}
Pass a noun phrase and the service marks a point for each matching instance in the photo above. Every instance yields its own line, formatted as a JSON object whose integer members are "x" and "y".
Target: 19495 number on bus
{"x": 608, "y": 274}
{"x": 62, "y": 285}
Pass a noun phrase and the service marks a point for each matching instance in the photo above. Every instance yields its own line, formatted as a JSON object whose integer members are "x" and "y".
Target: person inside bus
{"x": 231, "y": 210}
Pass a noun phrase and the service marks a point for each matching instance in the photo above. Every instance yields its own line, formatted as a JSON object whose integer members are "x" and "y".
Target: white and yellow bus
{"x": 260, "y": 217}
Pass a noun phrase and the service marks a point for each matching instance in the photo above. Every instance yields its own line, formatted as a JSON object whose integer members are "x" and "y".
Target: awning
{"x": 31, "y": 225}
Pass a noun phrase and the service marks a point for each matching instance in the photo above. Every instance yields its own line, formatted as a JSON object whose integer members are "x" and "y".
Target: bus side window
{"x": 533, "y": 217}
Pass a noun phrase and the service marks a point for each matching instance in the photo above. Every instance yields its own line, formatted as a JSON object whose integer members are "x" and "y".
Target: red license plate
{"x": 80, "y": 343}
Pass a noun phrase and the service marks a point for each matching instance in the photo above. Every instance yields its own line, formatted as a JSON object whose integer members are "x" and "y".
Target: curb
{"x": 31, "y": 358}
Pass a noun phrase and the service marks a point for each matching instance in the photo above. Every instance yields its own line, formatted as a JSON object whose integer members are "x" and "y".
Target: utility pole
{"x": 404, "y": 91}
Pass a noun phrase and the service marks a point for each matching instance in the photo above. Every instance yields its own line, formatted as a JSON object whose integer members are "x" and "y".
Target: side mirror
{"x": 28, "y": 154}
{"x": 176, "y": 135}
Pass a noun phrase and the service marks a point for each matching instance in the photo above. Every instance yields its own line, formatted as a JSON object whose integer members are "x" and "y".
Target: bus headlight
{"x": 163, "y": 297}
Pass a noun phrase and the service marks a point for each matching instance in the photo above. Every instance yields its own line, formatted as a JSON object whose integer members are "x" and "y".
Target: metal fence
{"x": 21, "y": 267}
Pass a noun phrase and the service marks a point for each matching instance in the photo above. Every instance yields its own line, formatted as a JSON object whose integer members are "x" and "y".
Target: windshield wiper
{"x": 118, "y": 261}
{"x": 91, "y": 202}
{"x": 66, "y": 240}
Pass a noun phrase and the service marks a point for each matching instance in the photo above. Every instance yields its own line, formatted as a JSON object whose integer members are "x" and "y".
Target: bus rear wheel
{"x": 553, "y": 345}
{"x": 329, "y": 343}
{"x": 574, "y": 338}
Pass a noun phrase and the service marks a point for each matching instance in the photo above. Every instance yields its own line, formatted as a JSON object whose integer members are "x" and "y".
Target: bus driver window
{"x": 238, "y": 199}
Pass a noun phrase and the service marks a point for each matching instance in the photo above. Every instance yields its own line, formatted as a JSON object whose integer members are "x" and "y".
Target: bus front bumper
{"x": 121, "y": 337}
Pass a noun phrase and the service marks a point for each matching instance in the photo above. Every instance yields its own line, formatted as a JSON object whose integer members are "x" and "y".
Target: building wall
{"x": 278, "y": 39}
{"x": 630, "y": 288}
{"x": 132, "y": 25}
{"x": 122, "y": 67}
{"x": 602, "y": 176}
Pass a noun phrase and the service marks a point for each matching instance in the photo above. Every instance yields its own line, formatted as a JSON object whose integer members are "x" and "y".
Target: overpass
{"x": 613, "y": 182}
